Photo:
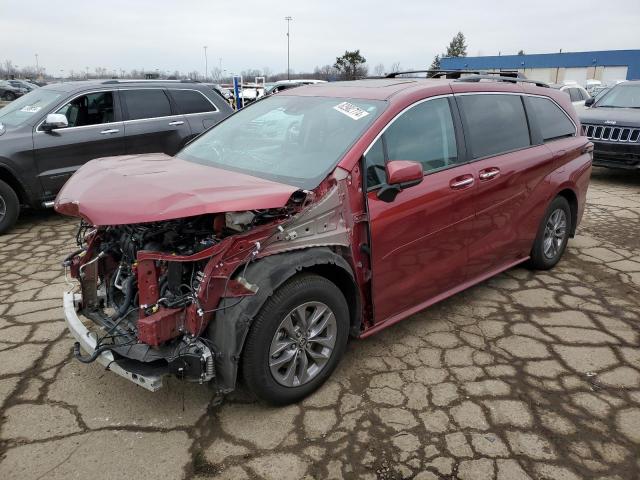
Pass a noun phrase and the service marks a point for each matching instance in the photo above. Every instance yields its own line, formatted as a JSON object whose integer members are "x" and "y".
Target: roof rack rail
{"x": 433, "y": 73}
{"x": 455, "y": 74}
{"x": 501, "y": 78}
{"x": 152, "y": 80}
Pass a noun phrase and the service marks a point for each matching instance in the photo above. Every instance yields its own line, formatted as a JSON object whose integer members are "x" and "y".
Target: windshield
{"x": 293, "y": 140}
{"x": 621, "y": 96}
{"x": 27, "y": 107}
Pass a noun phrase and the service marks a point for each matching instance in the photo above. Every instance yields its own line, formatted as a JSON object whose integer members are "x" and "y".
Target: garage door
{"x": 578, "y": 75}
{"x": 611, "y": 74}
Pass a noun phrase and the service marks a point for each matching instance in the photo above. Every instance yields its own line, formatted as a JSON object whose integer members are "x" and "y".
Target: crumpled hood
{"x": 154, "y": 187}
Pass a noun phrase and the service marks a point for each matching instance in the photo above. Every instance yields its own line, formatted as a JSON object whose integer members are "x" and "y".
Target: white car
{"x": 577, "y": 93}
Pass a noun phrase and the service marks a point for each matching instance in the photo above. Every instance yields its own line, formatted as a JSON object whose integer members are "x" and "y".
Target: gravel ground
{"x": 528, "y": 375}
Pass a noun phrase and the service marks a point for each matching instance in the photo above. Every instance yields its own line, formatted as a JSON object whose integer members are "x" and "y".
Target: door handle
{"x": 107, "y": 132}
{"x": 489, "y": 173}
{"x": 461, "y": 182}
{"x": 177, "y": 122}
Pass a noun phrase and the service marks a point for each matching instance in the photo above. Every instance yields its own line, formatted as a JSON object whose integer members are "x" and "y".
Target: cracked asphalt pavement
{"x": 530, "y": 375}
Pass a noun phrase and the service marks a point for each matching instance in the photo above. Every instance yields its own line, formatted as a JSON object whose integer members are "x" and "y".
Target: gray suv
{"x": 47, "y": 134}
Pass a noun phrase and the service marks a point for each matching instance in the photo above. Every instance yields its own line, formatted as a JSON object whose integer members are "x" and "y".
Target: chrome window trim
{"x": 525, "y": 94}
{"x": 377, "y": 137}
{"x": 71, "y": 99}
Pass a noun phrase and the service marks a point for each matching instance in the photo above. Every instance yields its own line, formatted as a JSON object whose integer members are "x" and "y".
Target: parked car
{"x": 50, "y": 132}
{"x": 275, "y": 87}
{"x": 577, "y": 94}
{"x": 612, "y": 123}
{"x": 9, "y": 92}
{"x": 320, "y": 213}
{"x": 23, "y": 85}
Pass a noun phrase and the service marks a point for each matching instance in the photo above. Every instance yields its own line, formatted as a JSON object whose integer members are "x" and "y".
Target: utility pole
{"x": 206, "y": 64}
{"x": 37, "y": 66}
{"x": 288, "y": 19}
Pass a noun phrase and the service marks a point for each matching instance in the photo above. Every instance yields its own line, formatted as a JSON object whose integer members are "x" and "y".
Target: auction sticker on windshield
{"x": 30, "y": 109}
{"x": 350, "y": 110}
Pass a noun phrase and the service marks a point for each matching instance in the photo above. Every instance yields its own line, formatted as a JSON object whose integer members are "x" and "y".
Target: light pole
{"x": 288, "y": 19}
{"x": 37, "y": 66}
{"x": 206, "y": 64}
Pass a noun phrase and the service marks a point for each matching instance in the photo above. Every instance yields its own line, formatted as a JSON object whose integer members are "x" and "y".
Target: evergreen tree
{"x": 435, "y": 65}
{"x": 351, "y": 65}
{"x": 457, "y": 47}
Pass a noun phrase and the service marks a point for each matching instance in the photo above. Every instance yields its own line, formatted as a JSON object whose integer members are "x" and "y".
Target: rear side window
{"x": 191, "y": 101}
{"x": 553, "y": 122}
{"x": 496, "y": 124}
{"x": 149, "y": 103}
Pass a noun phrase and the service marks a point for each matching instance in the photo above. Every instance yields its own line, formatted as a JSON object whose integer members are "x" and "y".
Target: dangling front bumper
{"x": 87, "y": 341}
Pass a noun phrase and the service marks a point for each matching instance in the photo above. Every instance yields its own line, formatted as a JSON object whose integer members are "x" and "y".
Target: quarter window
{"x": 496, "y": 124}
{"x": 89, "y": 109}
{"x": 191, "y": 101}
{"x": 150, "y": 103}
{"x": 553, "y": 122}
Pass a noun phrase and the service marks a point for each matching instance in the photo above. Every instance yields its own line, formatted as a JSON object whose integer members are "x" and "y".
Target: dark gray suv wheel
{"x": 9, "y": 207}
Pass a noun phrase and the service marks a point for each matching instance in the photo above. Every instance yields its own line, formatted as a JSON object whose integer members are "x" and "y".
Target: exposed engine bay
{"x": 151, "y": 309}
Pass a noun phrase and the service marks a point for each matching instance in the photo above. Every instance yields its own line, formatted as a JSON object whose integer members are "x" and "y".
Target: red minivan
{"x": 328, "y": 211}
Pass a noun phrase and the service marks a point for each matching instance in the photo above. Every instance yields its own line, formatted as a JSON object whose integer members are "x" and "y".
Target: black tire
{"x": 10, "y": 96}
{"x": 546, "y": 256}
{"x": 299, "y": 290}
{"x": 9, "y": 207}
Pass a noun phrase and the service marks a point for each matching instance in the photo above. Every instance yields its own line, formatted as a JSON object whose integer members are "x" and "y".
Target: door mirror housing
{"x": 401, "y": 174}
{"x": 53, "y": 121}
{"x": 589, "y": 101}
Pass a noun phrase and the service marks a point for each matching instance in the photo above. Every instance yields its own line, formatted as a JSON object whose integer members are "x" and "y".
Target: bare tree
{"x": 378, "y": 70}
{"x": 216, "y": 74}
{"x": 395, "y": 67}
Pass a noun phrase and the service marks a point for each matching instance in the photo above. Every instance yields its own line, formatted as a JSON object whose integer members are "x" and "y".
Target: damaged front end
{"x": 151, "y": 289}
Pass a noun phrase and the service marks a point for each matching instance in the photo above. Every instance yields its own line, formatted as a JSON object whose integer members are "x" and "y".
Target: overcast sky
{"x": 169, "y": 35}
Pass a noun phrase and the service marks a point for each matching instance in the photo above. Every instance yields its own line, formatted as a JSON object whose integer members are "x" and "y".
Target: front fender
{"x": 228, "y": 330}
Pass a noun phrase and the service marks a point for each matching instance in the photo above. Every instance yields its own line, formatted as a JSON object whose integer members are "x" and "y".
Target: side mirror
{"x": 589, "y": 101}
{"x": 53, "y": 121}
{"x": 401, "y": 174}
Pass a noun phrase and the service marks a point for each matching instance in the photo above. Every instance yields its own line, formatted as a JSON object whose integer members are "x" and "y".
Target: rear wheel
{"x": 10, "y": 96}
{"x": 9, "y": 207}
{"x": 296, "y": 340}
{"x": 553, "y": 235}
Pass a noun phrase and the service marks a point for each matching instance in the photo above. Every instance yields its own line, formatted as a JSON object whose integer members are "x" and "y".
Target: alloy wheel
{"x": 555, "y": 232}
{"x": 303, "y": 344}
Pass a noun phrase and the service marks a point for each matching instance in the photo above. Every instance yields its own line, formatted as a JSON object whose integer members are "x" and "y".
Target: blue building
{"x": 607, "y": 65}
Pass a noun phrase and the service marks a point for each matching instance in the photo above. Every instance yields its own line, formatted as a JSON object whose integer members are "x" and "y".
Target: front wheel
{"x": 10, "y": 96}
{"x": 296, "y": 340}
{"x": 553, "y": 235}
{"x": 9, "y": 207}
